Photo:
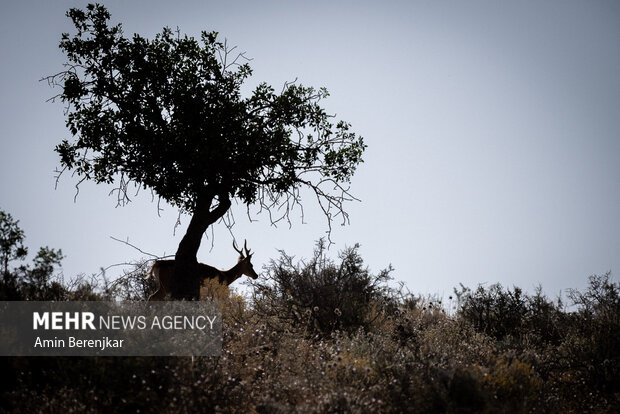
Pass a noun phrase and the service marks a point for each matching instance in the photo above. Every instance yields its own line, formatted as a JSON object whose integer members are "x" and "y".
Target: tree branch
{"x": 126, "y": 242}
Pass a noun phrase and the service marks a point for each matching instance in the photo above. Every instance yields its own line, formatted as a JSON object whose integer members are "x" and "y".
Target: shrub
{"x": 514, "y": 383}
{"x": 593, "y": 338}
{"x": 494, "y": 311}
{"x": 576, "y": 354}
{"x": 321, "y": 296}
{"x": 513, "y": 317}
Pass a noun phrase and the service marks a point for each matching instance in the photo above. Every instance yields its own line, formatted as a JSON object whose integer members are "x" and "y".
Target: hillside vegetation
{"x": 329, "y": 336}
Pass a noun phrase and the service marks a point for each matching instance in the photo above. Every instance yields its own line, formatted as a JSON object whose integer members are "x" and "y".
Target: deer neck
{"x": 232, "y": 274}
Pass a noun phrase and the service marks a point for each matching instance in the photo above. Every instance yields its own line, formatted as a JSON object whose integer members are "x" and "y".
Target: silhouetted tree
{"x": 24, "y": 282}
{"x": 36, "y": 281}
{"x": 11, "y": 242}
{"x": 168, "y": 115}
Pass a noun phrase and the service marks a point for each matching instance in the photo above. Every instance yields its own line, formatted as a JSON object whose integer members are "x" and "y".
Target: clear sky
{"x": 493, "y": 132}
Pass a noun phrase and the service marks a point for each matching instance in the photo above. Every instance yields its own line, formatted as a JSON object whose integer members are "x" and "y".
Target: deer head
{"x": 244, "y": 264}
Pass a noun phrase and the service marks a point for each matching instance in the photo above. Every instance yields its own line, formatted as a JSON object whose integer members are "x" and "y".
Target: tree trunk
{"x": 185, "y": 282}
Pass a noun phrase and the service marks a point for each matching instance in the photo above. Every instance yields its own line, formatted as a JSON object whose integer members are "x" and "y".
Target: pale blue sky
{"x": 493, "y": 130}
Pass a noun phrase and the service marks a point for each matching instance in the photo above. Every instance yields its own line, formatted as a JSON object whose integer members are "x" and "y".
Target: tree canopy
{"x": 11, "y": 241}
{"x": 168, "y": 115}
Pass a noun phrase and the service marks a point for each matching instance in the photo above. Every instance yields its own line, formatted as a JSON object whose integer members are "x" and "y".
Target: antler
{"x": 237, "y": 249}
{"x": 245, "y": 246}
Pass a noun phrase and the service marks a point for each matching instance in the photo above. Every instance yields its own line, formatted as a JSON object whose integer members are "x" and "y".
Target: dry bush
{"x": 321, "y": 296}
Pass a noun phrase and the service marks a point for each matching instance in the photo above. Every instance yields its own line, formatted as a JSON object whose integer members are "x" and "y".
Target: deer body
{"x": 162, "y": 271}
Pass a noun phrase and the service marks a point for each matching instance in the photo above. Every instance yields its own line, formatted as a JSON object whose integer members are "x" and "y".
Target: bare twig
{"x": 137, "y": 248}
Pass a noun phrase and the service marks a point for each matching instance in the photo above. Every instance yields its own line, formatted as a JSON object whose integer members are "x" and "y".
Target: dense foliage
{"x": 328, "y": 336}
